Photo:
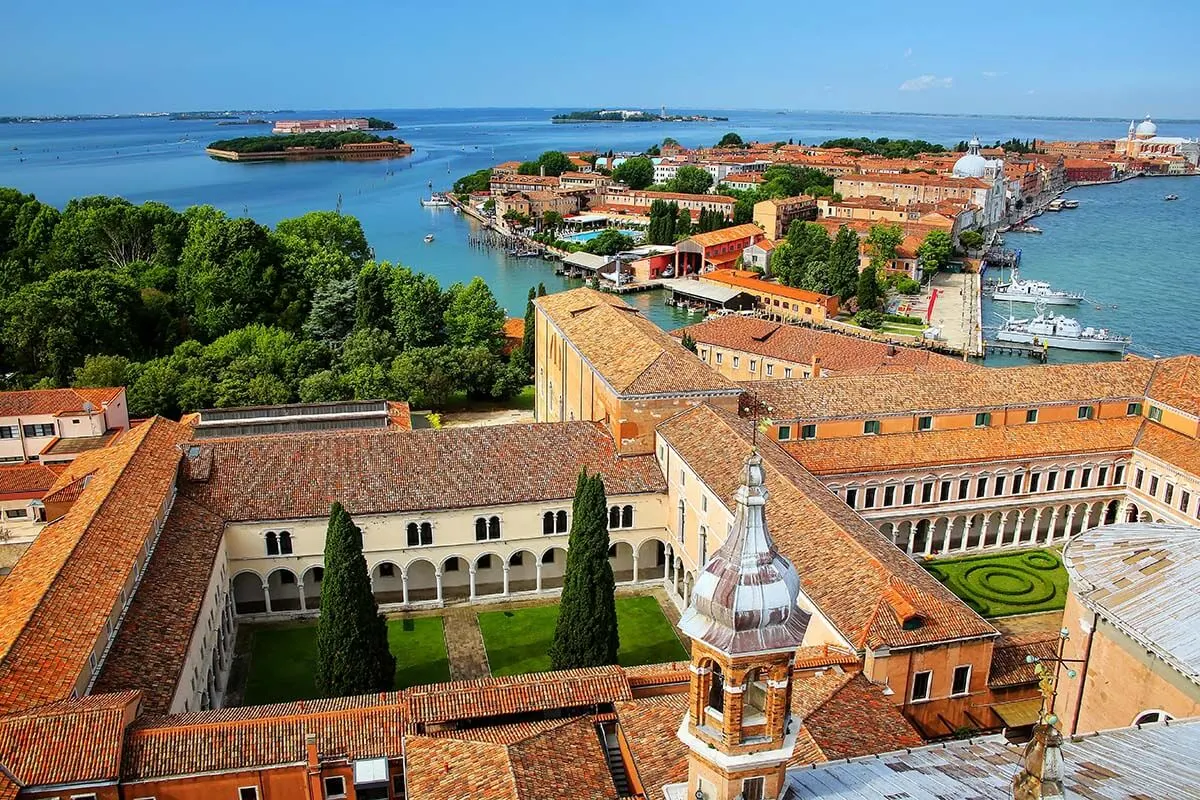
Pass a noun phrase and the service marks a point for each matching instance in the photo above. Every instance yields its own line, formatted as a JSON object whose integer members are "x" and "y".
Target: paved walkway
{"x": 954, "y": 311}
{"x": 464, "y": 645}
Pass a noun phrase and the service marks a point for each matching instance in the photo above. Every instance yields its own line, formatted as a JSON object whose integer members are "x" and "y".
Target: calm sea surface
{"x": 1131, "y": 253}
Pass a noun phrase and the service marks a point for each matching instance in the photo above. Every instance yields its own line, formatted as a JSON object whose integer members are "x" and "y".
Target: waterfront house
{"x": 720, "y": 249}
{"x": 1086, "y": 170}
{"x": 638, "y": 202}
{"x": 777, "y": 300}
{"x": 514, "y": 182}
{"x": 775, "y": 215}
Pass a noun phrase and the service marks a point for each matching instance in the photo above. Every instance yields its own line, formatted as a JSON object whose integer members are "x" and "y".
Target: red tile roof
{"x": 750, "y": 280}
{"x": 1167, "y": 445}
{"x": 847, "y": 716}
{"x": 152, "y": 646}
{"x": 1176, "y": 382}
{"x": 491, "y": 697}
{"x": 650, "y": 726}
{"x": 658, "y": 674}
{"x": 385, "y": 472}
{"x": 77, "y": 741}
{"x": 830, "y": 545}
{"x": 53, "y": 401}
{"x": 26, "y": 480}
{"x": 55, "y": 603}
{"x": 726, "y": 235}
{"x": 1009, "y": 667}
{"x": 839, "y": 354}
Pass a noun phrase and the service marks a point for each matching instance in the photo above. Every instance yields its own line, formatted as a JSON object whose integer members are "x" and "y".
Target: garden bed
{"x": 1001, "y": 584}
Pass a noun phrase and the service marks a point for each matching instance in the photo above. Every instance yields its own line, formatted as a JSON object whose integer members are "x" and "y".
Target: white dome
{"x": 972, "y": 165}
{"x": 1146, "y": 129}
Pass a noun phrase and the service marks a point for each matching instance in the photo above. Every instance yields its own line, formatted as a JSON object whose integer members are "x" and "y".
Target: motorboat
{"x": 1171, "y": 197}
{"x": 428, "y": 238}
{"x": 1055, "y": 205}
{"x": 1070, "y": 204}
{"x": 1021, "y": 291}
{"x": 435, "y": 201}
{"x": 1064, "y": 333}
{"x": 1025, "y": 229}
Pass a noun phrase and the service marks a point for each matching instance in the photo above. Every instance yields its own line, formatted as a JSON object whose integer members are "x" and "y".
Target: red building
{"x": 1087, "y": 170}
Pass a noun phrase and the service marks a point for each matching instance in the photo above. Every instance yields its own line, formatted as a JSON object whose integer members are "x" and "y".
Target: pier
{"x": 1016, "y": 349}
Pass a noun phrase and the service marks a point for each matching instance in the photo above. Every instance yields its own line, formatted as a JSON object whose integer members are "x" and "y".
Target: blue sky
{"x": 1074, "y": 57}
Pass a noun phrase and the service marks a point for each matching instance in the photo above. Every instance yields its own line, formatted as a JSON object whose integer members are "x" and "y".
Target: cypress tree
{"x": 527, "y": 353}
{"x": 688, "y": 342}
{"x": 352, "y": 646}
{"x": 586, "y": 632}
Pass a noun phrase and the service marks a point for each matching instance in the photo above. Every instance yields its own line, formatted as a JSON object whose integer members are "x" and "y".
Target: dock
{"x": 1016, "y": 349}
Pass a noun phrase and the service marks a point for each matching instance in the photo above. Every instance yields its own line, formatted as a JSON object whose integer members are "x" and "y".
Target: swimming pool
{"x": 587, "y": 236}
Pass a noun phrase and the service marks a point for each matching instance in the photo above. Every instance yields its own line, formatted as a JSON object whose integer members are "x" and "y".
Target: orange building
{"x": 720, "y": 249}
{"x": 777, "y": 300}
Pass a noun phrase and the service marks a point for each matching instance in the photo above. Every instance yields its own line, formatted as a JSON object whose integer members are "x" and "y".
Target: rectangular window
{"x": 998, "y": 486}
{"x": 920, "y": 688}
{"x": 1018, "y": 481}
{"x": 1155, "y": 413}
{"x": 787, "y": 372}
{"x": 785, "y": 433}
{"x": 1138, "y": 477}
{"x": 1086, "y": 477}
{"x": 871, "y": 426}
{"x": 752, "y": 788}
{"x": 852, "y": 497}
{"x": 962, "y": 680}
{"x": 1069, "y": 479}
{"x": 720, "y": 357}
{"x": 335, "y": 786}
{"x": 924, "y": 423}
{"x": 1034, "y": 479}
{"x": 926, "y": 492}
{"x": 770, "y": 369}
{"x": 1118, "y": 474}
{"x": 1153, "y": 485}
{"x": 1185, "y": 500}
{"x": 1102, "y": 477}
{"x": 983, "y": 419}
{"x": 248, "y": 793}
{"x": 944, "y": 495}
{"x": 16, "y": 513}
{"x": 682, "y": 478}
{"x": 808, "y": 432}
{"x": 8, "y": 431}
{"x": 964, "y": 489}
{"x": 754, "y": 365}
{"x": 869, "y": 498}
{"x": 1086, "y": 412}
{"x": 908, "y": 494}
{"x": 1031, "y": 415}
{"x": 981, "y": 487}
{"x": 1168, "y": 493}
{"x": 889, "y": 495}
{"x": 703, "y": 354}
{"x": 1051, "y": 481}
{"x": 1133, "y": 410}
{"x": 736, "y": 361}
{"x": 40, "y": 429}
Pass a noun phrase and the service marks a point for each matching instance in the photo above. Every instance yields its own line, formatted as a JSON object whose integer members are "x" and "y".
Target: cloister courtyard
{"x": 1006, "y": 584}
{"x": 276, "y": 662}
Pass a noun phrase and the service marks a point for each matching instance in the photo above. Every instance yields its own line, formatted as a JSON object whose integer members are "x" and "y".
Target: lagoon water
{"x": 1129, "y": 251}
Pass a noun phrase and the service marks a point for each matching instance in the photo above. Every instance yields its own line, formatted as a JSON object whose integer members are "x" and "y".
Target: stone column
{"x": 984, "y": 531}
{"x": 949, "y": 530}
{"x": 471, "y": 571}
{"x": 437, "y": 576}
{"x": 506, "y": 567}
{"x": 404, "y": 585}
{"x": 912, "y": 535}
{"x": 267, "y": 595}
{"x": 300, "y": 589}
{"x": 1051, "y": 526}
{"x": 538, "y": 575}
{"x": 967, "y": 526}
{"x": 1071, "y": 523}
{"x": 635, "y": 567}
{"x": 930, "y": 534}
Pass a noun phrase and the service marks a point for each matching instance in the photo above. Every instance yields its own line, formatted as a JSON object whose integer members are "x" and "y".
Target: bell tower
{"x": 745, "y": 627}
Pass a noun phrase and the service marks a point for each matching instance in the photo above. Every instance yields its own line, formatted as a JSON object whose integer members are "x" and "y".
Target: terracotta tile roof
{"x": 839, "y": 354}
{"x": 1176, "y": 382}
{"x": 854, "y": 396}
{"x": 764, "y": 244}
{"x": 633, "y": 355}
{"x": 152, "y": 645}
{"x": 750, "y": 280}
{"x": 1009, "y": 667}
{"x": 53, "y": 401}
{"x": 504, "y": 733}
{"x": 79, "y": 444}
{"x": 1167, "y": 445}
{"x": 915, "y": 179}
{"x": 847, "y": 716}
{"x": 514, "y": 327}
{"x": 824, "y": 655}
{"x": 369, "y": 726}
{"x": 76, "y": 741}
{"x": 31, "y": 480}
{"x": 743, "y": 177}
{"x": 714, "y": 199}
{"x": 650, "y": 726}
{"x": 55, "y": 603}
{"x": 563, "y": 761}
{"x": 964, "y": 445}
{"x": 380, "y": 471}
{"x": 830, "y": 545}
{"x": 493, "y": 697}
{"x": 726, "y": 235}
{"x": 658, "y": 674}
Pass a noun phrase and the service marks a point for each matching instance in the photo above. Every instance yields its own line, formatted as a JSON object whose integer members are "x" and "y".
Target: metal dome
{"x": 1146, "y": 129}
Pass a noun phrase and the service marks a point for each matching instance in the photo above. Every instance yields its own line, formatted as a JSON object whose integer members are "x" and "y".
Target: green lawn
{"x": 901, "y": 328}
{"x": 283, "y": 659}
{"x": 517, "y": 641}
{"x": 1001, "y": 584}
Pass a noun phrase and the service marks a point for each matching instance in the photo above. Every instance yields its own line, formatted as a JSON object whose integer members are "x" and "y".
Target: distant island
{"x": 172, "y": 115}
{"x": 354, "y": 145}
{"x": 252, "y": 121}
{"x": 606, "y": 115}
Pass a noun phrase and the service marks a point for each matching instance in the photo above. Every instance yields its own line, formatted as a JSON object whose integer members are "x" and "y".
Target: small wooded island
{"x": 354, "y": 145}
{"x": 624, "y": 115}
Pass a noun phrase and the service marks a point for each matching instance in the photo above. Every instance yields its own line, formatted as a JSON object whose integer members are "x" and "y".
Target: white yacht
{"x": 1019, "y": 291}
{"x": 1061, "y": 332}
{"x": 435, "y": 201}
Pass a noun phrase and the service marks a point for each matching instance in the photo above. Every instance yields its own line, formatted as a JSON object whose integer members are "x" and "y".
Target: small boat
{"x": 435, "y": 201}
{"x": 1055, "y": 205}
{"x": 1019, "y": 291}
{"x": 1025, "y": 229}
{"x": 1065, "y": 333}
{"x": 1070, "y": 204}
{"x": 428, "y": 238}
{"x": 1171, "y": 197}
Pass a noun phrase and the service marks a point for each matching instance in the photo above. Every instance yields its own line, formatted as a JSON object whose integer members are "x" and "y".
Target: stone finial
{"x": 1041, "y": 775}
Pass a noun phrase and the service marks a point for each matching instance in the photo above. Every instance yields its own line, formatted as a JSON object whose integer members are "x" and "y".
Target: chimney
{"x": 891, "y": 350}
{"x": 1041, "y": 775}
{"x": 816, "y": 367}
{"x": 542, "y": 171}
{"x": 310, "y": 748}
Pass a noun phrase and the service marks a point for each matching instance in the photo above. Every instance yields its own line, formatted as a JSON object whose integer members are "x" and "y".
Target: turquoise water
{"x": 1123, "y": 242}
{"x": 587, "y": 236}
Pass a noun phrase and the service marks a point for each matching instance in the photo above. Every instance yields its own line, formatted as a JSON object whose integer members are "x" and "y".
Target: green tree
{"x": 868, "y": 289}
{"x": 473, "y": 317}
{"x": 690, "y": 180}
{"x": 843, "y": 263}
{"x": 669, "y": 142}
{"x": 609, "y": 242}
{"x": 688, "y": 342}
{"x": 338, "y": 232}
{"x": 551, "y": 220}
{"x": 323, "y": 387}
{"x": 527, "y": 337}
{"x": 552, "y": 161}
{"x": 586, "y": 632}
{"x": 352, "y": 643}
{"x": 730, "y": 139}
{"x": 935, "y": 251}
{"x": 653, "y": 150}
{"x": 971, "y": 240}
{"x": 882, "y": 242}
{"x": 102, "y": 371}
{"x": 807, "y": 243}
{"x": 683, "y": 225}
{"x": 331, "y": 317}
{"x": 372, "y": 299}
{"x": 478, "y": 181}
{"x": 636, "y": 173}
{"x": 418, "y": 305}
{"x": 425, "y": 376}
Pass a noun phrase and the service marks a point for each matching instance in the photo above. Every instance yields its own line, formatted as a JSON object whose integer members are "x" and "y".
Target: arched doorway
{"x": 422, "y": 581}
{"x": 553, "y": 564}
{"x": 312, "y": 586}
{"x": 387, "y": 583}
{"x": 247, "y": 590}
{"x": 620, "y": 556}
{"x": 652, "y": 560}
{"x": 284, "y": 590}
{"x": 456, "y": 579}
{"x": 489, "y": 575}
{"x": 522, "y": 571}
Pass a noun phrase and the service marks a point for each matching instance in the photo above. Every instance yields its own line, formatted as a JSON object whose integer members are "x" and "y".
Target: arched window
{"x": 272, "y": 544}
{"x": 626, "y": 516}
{"x": 285, "y": 543}
{"x": 414, "y": 536}
{"x": 716, "y": 689}
{"x": 548, "y": 523}
{"x": 419, "y": 534}
{"x": 614, "y": 517}
{"x": 561, "y": 522}
{"x": 493, "y": 527}
{"x": 481, "y": 531}
{"x": 319, "y": 573}
{"x": 612, "y": 551}
{"x": 426, "y": 533}
{"x": 1148, "y": 717}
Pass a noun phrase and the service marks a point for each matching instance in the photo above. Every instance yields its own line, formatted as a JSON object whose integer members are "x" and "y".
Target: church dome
{"x": 972, "y": 165}
{"x": 1146, "y": 129}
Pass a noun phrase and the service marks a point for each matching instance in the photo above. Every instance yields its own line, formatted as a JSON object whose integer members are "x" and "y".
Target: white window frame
{"x": 242, "y": 789}
{"x": 966, "y": 691}
{"x": 928, "y": 687}
{"x": 325, "y": 786}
